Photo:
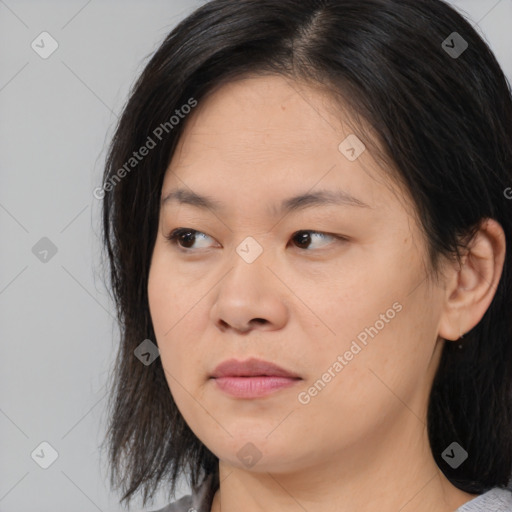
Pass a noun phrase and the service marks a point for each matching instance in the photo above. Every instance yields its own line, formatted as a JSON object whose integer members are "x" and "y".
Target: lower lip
{"x": 253, "y": 387}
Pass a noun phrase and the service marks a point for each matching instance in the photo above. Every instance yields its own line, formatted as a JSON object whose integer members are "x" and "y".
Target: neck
{"x": 385, "y": 475}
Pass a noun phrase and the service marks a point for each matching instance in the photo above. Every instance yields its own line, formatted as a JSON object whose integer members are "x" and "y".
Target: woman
{"x": 307, "y": 218}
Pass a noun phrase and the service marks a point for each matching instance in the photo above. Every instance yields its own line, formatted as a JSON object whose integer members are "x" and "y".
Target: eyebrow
{"x": 296, "y": 203}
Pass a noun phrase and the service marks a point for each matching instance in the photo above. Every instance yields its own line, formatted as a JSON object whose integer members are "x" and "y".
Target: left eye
{"x": 185, "y": 236}
{"x": 305, "y": 236}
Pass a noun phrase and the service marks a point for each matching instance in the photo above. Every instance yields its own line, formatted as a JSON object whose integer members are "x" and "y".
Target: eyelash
{"x": 173, "y": 237}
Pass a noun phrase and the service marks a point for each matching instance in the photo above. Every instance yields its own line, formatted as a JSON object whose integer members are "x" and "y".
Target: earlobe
{"x": 472, "y": 286}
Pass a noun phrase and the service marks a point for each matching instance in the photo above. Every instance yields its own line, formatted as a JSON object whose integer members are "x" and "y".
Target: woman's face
{"x": 355, "y": 317}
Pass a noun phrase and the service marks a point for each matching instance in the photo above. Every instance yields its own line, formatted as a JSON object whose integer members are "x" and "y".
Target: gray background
{"x": 57, "y": 327}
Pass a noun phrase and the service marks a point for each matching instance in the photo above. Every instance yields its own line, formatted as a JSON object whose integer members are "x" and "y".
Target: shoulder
{"x": 495, "y": 500}
{"x": 184, "y": 504}
{"x": 200, "y": 499}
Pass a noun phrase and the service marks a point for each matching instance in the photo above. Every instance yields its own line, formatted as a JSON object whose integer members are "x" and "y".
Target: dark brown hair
{"x": 443, "y": 122}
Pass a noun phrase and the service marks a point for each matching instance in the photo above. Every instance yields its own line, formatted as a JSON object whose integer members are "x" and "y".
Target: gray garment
{"x": 200, "y": 500}
{"x": 495, "y": 500}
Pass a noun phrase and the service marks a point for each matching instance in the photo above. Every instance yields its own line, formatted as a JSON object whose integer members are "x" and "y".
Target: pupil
{"x": 188, "y": 234}
{"x": 303, "y": 238}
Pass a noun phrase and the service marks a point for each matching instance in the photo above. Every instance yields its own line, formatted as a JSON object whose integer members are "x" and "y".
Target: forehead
{"x": 259, "y": 115}
{"x": 270, "y": 137}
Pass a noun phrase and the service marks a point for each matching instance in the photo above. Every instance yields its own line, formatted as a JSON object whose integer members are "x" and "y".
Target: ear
{"x": 471, "y": 286}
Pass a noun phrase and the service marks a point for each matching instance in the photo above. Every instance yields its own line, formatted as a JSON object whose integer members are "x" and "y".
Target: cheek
{"x": 175, "y": 308}
{"x": 379, "y": 382}
{"x": 381, "y": 350}
{"x": 169, "y": 295}
{"x": 166, "y": 310}
{"x": 395, "y": 362}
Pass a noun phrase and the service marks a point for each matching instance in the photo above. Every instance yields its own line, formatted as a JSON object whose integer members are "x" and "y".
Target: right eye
{"x": 186, "y": 236}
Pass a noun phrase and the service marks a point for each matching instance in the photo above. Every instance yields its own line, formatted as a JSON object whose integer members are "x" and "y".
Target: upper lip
{"x": 250, "y": 368}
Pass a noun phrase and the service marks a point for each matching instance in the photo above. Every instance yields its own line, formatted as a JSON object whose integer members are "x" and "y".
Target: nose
{"x": 250, "y": 296}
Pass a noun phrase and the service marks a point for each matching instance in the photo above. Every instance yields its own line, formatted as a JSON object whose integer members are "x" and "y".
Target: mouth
{"x": 251, "y": 368}
{"x": 253, "y": 387}
{"x": 253, "y": 378}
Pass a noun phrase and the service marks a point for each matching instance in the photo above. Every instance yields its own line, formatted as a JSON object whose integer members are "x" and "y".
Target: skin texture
{"x": 361, "y": 442}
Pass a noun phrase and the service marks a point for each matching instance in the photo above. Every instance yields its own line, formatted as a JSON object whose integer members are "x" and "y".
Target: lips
{"x": 251, "y": 368}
